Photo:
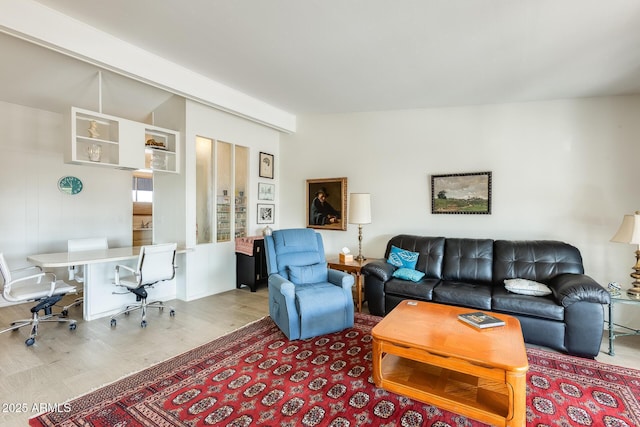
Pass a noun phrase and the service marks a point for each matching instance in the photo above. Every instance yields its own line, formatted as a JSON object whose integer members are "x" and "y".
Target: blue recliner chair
{"x": 306, "y": 299}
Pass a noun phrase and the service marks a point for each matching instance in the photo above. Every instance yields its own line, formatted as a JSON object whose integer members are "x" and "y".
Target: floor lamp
{"x": 629, "y": 232}
{"x": 360, "y": 213}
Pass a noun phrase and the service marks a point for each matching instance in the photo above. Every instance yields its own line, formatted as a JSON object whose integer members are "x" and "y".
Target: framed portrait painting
{"x": 327, "y": 203}
{"x": 266, "y": 213}
{"x": 266, "y": 165}
{"x": 461, "y": 193}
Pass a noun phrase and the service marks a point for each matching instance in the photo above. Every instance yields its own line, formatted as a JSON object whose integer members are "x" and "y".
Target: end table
{"x": 621, "y": 298}
{"x": 354, "y": 267}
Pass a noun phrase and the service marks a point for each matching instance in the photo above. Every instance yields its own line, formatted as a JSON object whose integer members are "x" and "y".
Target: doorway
{"x": 142, "y": 196}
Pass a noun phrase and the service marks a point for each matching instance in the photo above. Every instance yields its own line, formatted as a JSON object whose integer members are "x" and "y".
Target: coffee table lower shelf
{"x": 451, "y": 390}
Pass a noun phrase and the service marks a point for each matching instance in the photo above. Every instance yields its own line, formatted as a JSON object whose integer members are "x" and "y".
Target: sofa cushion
{"x": 423, "y": 290}
{"x": 402, "y": 258}
{"x": 541, "y": 307}
{"x": 538, "y": 260}
{"x": 314, "y": 273}
{"x": 468, "y": 260}
{"x": 408, "y": 274}
{"x": 527, "y": 287}
{"x": 463, "y": 294}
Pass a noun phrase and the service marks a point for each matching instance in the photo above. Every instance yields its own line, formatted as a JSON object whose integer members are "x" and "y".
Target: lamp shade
{"x": 360, "y": 208}
{"x": 629, "y": 231}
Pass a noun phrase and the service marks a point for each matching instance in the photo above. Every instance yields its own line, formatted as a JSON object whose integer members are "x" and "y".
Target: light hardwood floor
{"x": 64, "y": 364}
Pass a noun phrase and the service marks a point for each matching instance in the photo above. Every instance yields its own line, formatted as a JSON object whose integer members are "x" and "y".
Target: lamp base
{"x": 634, "y": 292}
{"x": 360, "y": 258}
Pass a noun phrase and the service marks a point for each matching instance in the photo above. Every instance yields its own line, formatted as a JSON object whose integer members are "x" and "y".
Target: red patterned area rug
{"x": 256, "y": 377}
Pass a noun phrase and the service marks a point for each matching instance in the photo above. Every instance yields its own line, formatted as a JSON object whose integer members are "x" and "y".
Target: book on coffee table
{"x": 480, "y": 320}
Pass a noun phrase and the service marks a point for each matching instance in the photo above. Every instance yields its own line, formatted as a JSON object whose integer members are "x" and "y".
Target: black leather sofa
{"x": 471, "y": 273}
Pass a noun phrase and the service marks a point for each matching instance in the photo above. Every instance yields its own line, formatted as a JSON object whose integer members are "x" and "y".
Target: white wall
{"x": 35, "y": 216}
{"x": 563, "y": 170}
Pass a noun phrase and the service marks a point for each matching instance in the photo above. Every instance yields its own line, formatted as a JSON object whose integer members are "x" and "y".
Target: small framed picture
{"x": 266, "y": 165}
{"x": 266, "y": 213}
{"x": 266, "y": 191}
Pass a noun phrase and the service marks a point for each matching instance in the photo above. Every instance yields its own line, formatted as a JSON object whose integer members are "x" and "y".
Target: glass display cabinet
{"x": 221, "y": 190}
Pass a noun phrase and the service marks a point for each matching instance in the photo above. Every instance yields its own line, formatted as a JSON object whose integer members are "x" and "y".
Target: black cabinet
{"x": 251, "y": 270}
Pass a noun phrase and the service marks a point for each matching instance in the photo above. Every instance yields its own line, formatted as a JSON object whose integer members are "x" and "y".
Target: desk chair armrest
{"x": 131, "y": 270}
{"x": 341, "y": 278}
{"x": 37, "y": 277}
{"x": 20, "y": 272}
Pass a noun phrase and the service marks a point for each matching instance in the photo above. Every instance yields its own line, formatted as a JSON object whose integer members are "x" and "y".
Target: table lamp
{"x": 629, "y": 232}
{"x": 360, "y": 213}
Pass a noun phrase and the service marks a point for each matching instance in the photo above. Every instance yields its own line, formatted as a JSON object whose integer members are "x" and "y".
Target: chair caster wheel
{"x": 72, "y": 327}
{"x": 30, "y": 341}
{"x": 143, "y": 324}
{"x": 65, "y": 313}
{"x": 172, "y": 313}
{"x": 113, "y": 323}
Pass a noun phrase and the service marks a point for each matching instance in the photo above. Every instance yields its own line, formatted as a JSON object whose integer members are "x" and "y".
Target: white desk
{"x": 99, "y": 300}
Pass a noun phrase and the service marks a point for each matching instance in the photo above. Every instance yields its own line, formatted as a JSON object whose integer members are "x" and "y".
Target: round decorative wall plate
{"x": 70, "y": 185}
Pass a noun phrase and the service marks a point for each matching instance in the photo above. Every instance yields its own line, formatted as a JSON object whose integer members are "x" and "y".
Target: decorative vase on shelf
{"x": 267, "y": 231}
{"x": 94, "y": 151}
{"x": 159, "y": 161}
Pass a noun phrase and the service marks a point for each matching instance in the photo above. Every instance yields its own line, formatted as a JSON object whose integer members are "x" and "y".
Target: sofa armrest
{"x": 381, "y": 270}
{"x": 569, "y": 288}
{"x": 376, "y": 274}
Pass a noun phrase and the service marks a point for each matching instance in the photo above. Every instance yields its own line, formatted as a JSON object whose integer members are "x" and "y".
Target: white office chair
{"x": 156, "y": 263}
{"x": 76, "y": 272}
{"x": 30, "y": 286}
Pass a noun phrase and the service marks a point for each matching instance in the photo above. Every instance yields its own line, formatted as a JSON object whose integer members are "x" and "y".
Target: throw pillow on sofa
{"x": 408, "y": 274}
{"x": 526, "y": 287}
{"x": 402, "y": 258}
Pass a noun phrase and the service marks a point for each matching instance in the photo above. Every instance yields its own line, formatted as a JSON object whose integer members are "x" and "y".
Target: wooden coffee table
{"x": 421, "y": 350}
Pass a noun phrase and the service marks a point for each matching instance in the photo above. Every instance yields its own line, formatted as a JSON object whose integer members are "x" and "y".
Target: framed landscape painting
{"x": 461, "y": 193}
{"x": 327, "y": 203}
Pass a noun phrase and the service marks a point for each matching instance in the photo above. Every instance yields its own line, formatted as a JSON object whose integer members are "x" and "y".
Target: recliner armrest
{"x": 340, "y": 278}
{"x": 569, "y": 288}
{"x": 382, "y": 270}
{"x": 282, "y": 285}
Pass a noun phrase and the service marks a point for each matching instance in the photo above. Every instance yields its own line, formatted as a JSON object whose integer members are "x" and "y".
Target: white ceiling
{"x": 328, "y": 56}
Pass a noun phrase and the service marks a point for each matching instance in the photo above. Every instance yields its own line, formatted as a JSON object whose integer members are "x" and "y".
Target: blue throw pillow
{"x": 314, "y": 273}
{"x": 408, "y": 274}
{"x": 403, "y": 258}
